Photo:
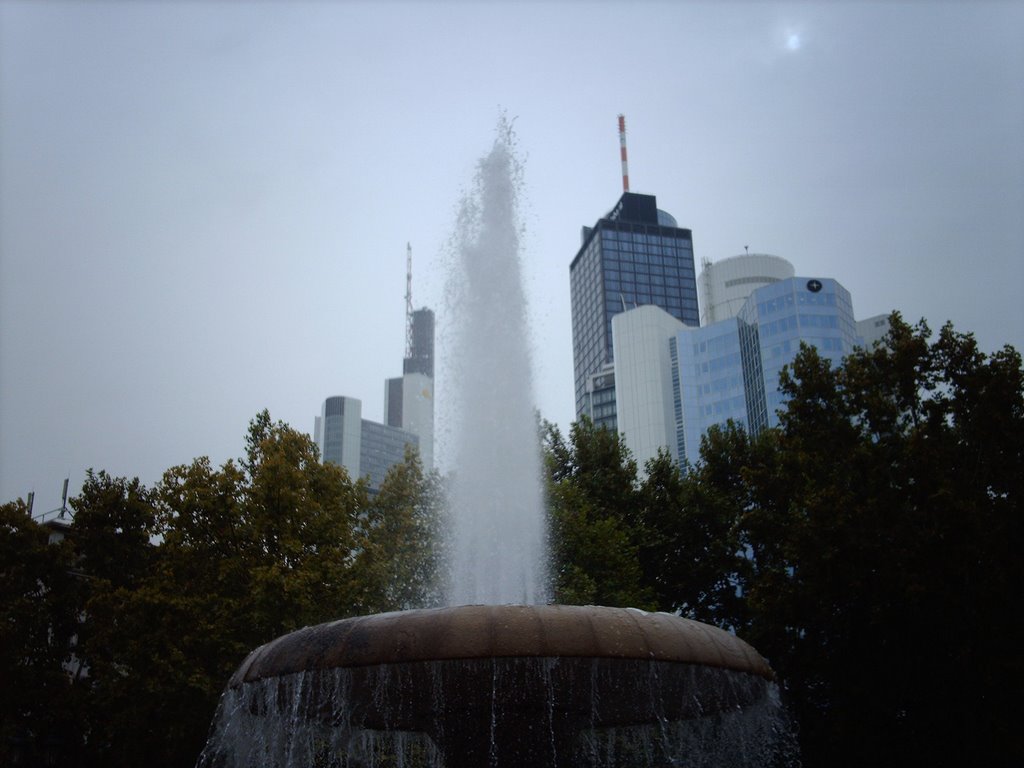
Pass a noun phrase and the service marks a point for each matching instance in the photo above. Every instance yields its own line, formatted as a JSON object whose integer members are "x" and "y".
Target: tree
{"x": 882, "y": 524}
{"x": 120, "y": 639}
{"x": 399, "y": 547}
{"x": 301, "y": 517}
{"x": 115, "y": 530}
{"x": 594, "y": 510}
{"x": 39, "y": 600}
{"x": 695, "y": 556}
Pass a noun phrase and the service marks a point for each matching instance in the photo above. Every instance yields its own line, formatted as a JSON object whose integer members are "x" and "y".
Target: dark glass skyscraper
{"x": 635, "y": 255}
{"x": 420, "y": 359}
{"x": 421, "y": 352}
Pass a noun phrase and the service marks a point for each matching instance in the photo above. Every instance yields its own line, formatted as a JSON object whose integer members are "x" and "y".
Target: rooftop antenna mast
{"x": 408, "y": 300}
{"x": 622, "y": 148}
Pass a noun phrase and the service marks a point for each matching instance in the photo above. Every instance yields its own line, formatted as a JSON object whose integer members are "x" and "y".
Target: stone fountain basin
{"x": 501, "y": 631}
{"x": 494, "y": 686}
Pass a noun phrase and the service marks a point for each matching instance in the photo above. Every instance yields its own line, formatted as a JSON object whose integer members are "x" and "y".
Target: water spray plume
{"x": 499, "y": 685}
{"x": 498, "y": 550}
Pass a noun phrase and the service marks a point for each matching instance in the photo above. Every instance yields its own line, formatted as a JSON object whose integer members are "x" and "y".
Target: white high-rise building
{"x": 872, "y": 329}
{"x": 643, "y": 380}
{"x": 337, "y": 432}
{"x": 724, "y": 285}
{"x": 673, "y": 381}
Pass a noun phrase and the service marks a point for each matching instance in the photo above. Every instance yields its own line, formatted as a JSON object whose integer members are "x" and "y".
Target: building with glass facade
{"x": 773, "y": 323}
{"x": 380, "y": 448}
{"x": 635, "y": 256}
{"x": 708, "y": 371}
{"x": 364, "y": 448}
{"x": 368, "y": 449}
{"x": 337, "y": 432}
{"x": 675, "y": 381}
{"x": 409, "y": 398}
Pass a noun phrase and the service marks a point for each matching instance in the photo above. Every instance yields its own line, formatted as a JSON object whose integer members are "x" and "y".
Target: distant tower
{"x": 366, "y": 448}
{"x": 409, "y": 399}
{"x": 338, "y": 432}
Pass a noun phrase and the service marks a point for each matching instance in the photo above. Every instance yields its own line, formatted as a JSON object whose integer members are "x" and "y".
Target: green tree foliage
{"x": 883, "y": 528}
{"x": 39, "y": 599}
{"x": 399, "y": 552}
{"x": 159, "y": 593}
{"x": 594, "y": 510}
{"x": 870, "y": 546}
{"x": 694, "y": 557}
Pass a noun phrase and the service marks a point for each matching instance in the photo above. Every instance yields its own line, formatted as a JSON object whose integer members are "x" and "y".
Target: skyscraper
{"x": 409, "y": 398}
{"x": 366, "y": 448}
{"x": 675, "y": 381}
{"x": 337, "y": 432}
{"x": 636, "y": 255}
{"x": 774, "y": 321}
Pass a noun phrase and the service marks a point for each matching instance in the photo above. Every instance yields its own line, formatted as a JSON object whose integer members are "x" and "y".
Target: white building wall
{"x": 643, "y": 380}
{"x": 352, "y": 437}
{"x": 872, "y": 329}
{"x": 418, "y": 413}
{"x": 339, "y": 436}
{"x": 724, "y": 285}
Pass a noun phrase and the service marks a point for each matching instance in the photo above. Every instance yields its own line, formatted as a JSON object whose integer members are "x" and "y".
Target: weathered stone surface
{"x": 503, "y": 631}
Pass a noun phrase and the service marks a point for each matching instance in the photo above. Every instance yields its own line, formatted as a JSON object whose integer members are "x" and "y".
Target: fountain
{"x": 502, "y": 686}
{"x": 499, "y": 679}
{"x": 498, "y": 552}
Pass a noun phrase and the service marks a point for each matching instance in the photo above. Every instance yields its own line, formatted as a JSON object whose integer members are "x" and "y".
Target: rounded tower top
{"x": 724, "y": 285}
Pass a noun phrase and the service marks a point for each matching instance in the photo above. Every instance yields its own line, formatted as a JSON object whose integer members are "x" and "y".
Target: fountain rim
{"x": 500, "y": 631}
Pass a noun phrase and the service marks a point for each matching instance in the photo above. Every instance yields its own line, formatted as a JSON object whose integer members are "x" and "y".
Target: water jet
{"x": 514, "y": 682}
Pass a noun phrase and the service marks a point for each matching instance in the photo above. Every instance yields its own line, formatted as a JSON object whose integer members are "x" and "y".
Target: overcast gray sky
{"x": 204, "y": 207}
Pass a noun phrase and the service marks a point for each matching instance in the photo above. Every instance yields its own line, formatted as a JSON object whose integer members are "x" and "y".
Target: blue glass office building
{"x": 380, "y": 448}
{"x": 636, "y": 255}
{"x": 773, "y": 323}
{"x": 730, "y": 369}
{"x": 708, "y": 367}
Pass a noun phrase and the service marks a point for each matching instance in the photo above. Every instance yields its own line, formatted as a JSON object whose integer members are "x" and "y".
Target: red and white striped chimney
{"x": 622, "y": 146}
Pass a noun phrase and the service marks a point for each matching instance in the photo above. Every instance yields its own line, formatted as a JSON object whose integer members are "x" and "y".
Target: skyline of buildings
{"x": 367, "y": 448}
{"x": 660, "y": 353}
{"x": 674, "y": 381}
